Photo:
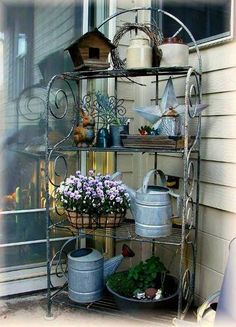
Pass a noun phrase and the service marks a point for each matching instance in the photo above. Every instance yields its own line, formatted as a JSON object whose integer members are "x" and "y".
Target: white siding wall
{"x": 53, "y": 30}
{"x": 218, "y": 194}
{"x": 133, "y": 166}
{"x": 217, "y": 218}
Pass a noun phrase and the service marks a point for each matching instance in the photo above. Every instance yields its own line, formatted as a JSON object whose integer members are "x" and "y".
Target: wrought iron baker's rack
{"x": 61, "y": 103}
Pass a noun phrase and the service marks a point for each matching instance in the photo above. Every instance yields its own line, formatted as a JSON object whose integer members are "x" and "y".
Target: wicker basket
{"x": 78, "y": 220}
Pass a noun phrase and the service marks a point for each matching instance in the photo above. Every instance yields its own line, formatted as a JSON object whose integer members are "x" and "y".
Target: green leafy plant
{"x": 145, "y": 273}
{"x": 121, "y": 284}
{"x": 147, "y": 130}
{"x": 142, "y": 276}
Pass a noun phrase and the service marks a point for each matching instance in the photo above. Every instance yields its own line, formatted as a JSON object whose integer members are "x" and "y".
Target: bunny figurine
{"x": 84, "y": 132}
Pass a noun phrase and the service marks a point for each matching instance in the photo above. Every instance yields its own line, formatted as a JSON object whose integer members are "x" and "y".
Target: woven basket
{"x": 78, "y": 220}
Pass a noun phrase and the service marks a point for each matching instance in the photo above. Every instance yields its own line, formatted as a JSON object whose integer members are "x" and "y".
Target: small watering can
{"x": 151, "y": 207}
{"x": 87, "y": 271}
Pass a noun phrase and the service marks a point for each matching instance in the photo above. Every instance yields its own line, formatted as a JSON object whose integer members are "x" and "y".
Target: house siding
{"x": 60, "y": 22}
{"x": 217, "y": 215}
{"x": 217, "y": 219}
{"x": 133, "y": 95}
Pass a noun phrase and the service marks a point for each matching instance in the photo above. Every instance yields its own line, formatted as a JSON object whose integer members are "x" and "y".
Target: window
{"x": 208, "y": 20}
{"x": 33, "y": 37}
{"x": 20, "y": 29}
{"x": 98, "y": 11}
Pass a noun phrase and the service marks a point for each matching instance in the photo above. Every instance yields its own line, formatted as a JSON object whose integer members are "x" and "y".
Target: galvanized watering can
{"x": 87, "y": 271}
{"x": 151, "y": 207}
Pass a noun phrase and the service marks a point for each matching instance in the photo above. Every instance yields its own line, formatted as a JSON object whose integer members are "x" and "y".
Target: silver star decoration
{"x": 153, "y": 114}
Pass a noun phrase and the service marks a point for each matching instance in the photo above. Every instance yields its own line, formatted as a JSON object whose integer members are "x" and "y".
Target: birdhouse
{"x": 91, "y": 51}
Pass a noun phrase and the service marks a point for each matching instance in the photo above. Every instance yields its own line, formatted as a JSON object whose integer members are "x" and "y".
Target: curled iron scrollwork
{"x": 62, "y": 116}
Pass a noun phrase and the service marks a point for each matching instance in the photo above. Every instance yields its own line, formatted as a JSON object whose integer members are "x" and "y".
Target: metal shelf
{"x": 190, "y": 154}
{"x": 111, "y": 73}
{"x": 125, "y": 232}
{"x": 118, "y": 149}
{"x": 163, "y": 317}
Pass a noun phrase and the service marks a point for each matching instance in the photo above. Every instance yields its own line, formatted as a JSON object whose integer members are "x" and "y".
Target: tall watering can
{"x": 87, "y": 271}
{"x": 151, "y": 207}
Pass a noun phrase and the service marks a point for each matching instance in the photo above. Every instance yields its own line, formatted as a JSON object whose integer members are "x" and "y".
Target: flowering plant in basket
{"x": 94, "y": 195}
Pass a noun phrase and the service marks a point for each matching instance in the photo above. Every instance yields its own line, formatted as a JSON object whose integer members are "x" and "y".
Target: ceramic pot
{"x": 174, "y": 52}
{"x": 139, "y": 53}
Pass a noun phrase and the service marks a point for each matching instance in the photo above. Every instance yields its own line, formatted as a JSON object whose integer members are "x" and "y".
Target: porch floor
{"x": 31, "y": 310}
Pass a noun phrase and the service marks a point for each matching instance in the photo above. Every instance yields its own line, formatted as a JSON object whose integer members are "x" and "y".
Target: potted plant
{"x": 93, "y": 200}
{"x": 110, "y": 113}
{"x": 144, "y": 286}
{"x": 118, "y": 126}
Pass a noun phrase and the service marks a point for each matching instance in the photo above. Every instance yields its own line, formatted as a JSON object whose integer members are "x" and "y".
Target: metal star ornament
{"x": 153, "y": 114}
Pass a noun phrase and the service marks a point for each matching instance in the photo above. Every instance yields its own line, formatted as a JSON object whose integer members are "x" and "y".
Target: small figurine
{"x": 150, "y": 292}
{"x": 158, "y": 294}
{"x": 138, "y": 294}
{"x": 84, "y": 133}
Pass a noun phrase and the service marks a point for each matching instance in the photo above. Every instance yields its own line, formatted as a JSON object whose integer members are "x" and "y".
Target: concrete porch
{"x": 31, "y": 309}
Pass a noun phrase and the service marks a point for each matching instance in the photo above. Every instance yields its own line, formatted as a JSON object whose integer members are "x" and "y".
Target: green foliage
{"x": 120, "y": 284}
{"x": 147, "y": 130}
{"x": 145, "y": 273}
{"x": 142, "y": 276}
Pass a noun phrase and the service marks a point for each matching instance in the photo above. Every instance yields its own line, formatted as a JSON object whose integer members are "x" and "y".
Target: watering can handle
{"x": 149, "y": 174}
{"x": 115, "y": 175}
{"x": 58, "y": 264}
{"x": 179, "y": 199}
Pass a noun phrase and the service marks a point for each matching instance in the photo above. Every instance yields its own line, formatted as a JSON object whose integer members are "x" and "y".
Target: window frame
{"x": 218, "y": 38}
{"x": 21, "y": 64}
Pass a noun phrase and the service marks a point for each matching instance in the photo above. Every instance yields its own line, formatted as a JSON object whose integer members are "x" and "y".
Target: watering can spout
{"x": 131, "y": 192}
{"x": 132, "y": 195}
{"x": 112, "y": 264}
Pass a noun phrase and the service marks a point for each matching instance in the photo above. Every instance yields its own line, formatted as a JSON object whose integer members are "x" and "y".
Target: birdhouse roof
{"x": 93, "y": 33}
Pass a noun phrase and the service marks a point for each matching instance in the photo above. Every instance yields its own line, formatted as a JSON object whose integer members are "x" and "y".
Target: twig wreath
{"x": 155, "y": 38}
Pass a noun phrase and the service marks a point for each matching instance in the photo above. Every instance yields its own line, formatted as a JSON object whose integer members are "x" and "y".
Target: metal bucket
{"x": 85, "y": 275}
{"x": 153, "y": 211}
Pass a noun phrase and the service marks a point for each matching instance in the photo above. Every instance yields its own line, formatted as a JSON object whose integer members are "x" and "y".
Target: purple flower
{"x": 93, "y": 194}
